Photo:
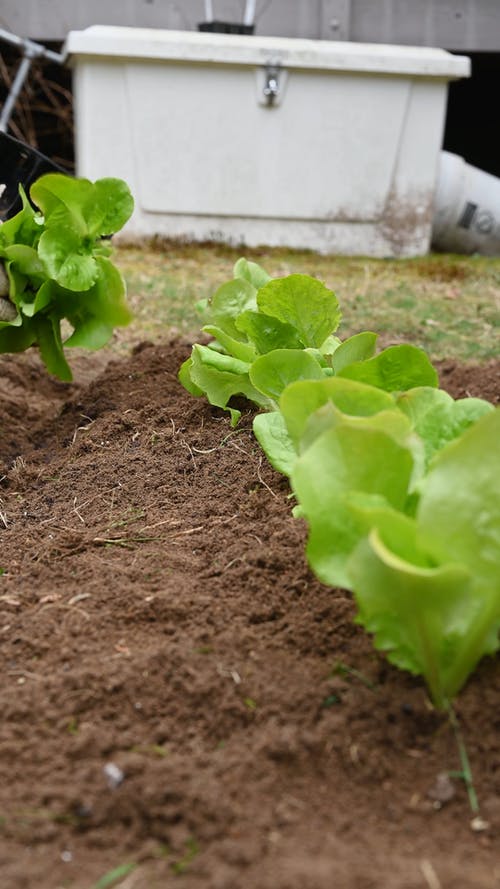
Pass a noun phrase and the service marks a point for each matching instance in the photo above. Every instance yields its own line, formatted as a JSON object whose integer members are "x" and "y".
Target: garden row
{"x": 398, "y": 482}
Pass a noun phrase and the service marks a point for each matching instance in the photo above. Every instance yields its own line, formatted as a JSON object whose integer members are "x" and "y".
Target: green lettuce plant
{"x": 307, "y": 407}
{"x": 428, "y": 588}
{"x": 56, "y": 256}
{"x": 403, "y": 509}
{"x": 268, "y": 333}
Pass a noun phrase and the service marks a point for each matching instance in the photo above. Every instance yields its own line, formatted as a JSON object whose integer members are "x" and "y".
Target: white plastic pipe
{"x": 209, "y": 11}
{"x": 466, "y": 208}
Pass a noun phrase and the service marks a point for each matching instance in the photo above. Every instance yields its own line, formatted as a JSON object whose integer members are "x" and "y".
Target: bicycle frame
{"x": 30, "y": 51}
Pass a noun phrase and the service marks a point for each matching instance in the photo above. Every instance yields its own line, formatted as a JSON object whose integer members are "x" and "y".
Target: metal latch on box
{"x": 271, "y": 82}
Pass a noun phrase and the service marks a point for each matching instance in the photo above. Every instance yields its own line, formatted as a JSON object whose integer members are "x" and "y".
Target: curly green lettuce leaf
{"x": 359, "y": 347}
{"x": 302, "y": 398}
{"x": 271, "y": 433}
{"x": 77, "y": 213}
{"x": 223, "y": 342}
{"x": 267, "y": 333}
{"x": 26, "y": 261}
{"x": 23, "y": 228}
{"x": 93, "y": 209}
{"x": 251, "y": 272}
{"x": 438, "y": 418}
{"x": 396, "y": 369}
{"x": 305, "y": 304}
{"x": 99, "y": 310}
{"x": 344, "y": 460}
{"x": 220, "y": 377}
{"x": 185, "y": 380}
{"x": 459, "y": 511}
{"x": 272, "y": 373}
{"x": 228, "y": 303}
{"x": 67, "y": 260}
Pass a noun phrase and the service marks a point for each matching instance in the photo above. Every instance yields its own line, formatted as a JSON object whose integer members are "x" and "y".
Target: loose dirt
{"x": 181, "y": 700}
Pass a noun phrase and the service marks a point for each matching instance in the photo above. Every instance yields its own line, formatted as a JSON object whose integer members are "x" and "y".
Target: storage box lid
{"x": 235, "y": 49}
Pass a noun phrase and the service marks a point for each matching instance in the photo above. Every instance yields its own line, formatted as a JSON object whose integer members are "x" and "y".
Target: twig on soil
{"x": 429, "y": 874}
{"x": 187, "y": 531}
{"x": 188, "y": 447}
{"x": 26, "y": 673}
{"x": 230, "y": 673}
{"x": 11, "y": 600}
{"x": 75, "y": 510}
{"x": 66, "y": 606}
{"x": 242, "y": 450}
{"x": 157, "y": 524}
{"x": 217, "y": 522}
{"x": 79, "y": 598}
{"x": 82, "y": 428}
{"x": 125, "y": 542}
{"x": 259, "y": 476}
{"x": 233, "y": 562}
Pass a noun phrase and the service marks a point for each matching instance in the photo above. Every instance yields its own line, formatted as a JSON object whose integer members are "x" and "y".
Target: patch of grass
{"x": 448, "y": 305}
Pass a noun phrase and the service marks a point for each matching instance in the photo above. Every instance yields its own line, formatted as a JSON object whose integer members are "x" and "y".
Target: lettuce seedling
{"x": 428, "y": 587}
{"x": 308, "y": 407}
{"x": 276, "y": 331}
{"x": 254, "y": 316}
{"x": 57, "y": 262}
{"x": 398, "y": 514}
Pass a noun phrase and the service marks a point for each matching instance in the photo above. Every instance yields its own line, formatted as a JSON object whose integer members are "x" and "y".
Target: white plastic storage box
{"x": 264, "y": 140}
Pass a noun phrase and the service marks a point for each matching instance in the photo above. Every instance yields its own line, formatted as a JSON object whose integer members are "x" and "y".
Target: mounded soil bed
{"x": 178, "y": 692}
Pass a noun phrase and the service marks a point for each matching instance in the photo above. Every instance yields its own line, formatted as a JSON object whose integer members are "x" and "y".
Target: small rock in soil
{"x": 114, "y": 775}
{"x": 443, "y": 789}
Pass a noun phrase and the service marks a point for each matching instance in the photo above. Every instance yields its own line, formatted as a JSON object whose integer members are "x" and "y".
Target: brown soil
{"x": 157, "y": 614}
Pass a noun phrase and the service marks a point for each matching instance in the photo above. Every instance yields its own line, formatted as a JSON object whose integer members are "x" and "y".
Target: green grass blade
{"x": 113, "y": 877}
